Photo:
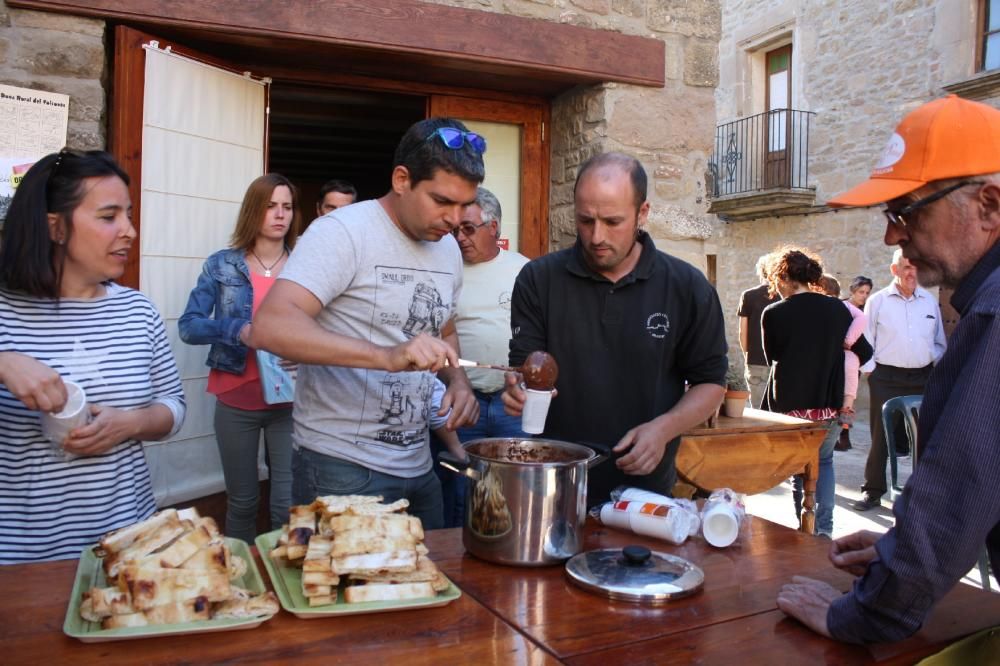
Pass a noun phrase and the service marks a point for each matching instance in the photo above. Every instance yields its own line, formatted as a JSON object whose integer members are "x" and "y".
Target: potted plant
{"x": 737, "y": 392}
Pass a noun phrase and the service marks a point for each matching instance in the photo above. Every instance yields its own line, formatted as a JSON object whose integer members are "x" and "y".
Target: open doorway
{"x": 319, "y": 133}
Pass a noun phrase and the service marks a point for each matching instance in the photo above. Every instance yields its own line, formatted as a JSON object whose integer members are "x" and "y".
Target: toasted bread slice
{"x": 189, "y": 610}
{"x": 388, "y": 524}
{"x": 337, "y": 504}
{"x": 215, "y": 556}
{"x": 372, "y": 508}
{"x": 375, "y": 563}
{"x": 153, "y": 541}
{"x": 106, "y": 601}
{"x": 318, "y": 555}
{"x": 323, "y": 601}
{"x": 426, "y": 572}
{"x": 387, "y": 592}
{"x": 181, "y": 549}
{"x": 321, "y": 577}
{"x": 151, "y": 587}
{"x": 119, "y": 539}
{"x": 311, "y": 590}
{"x": 356, "y": 542}
{"x": 121, "y": 621}
{"x": 264, "y": 605}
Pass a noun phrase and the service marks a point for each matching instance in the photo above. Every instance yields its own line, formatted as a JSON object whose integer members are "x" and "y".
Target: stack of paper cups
{"x": 721, "y": 518}
{"x": 655, "y": 520}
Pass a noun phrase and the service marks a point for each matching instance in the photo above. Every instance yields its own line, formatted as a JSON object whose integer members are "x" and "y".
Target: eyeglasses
{"x": 467, "y": 229}
{"x": 898, "y": 217}
{"x": 454, "y": 138}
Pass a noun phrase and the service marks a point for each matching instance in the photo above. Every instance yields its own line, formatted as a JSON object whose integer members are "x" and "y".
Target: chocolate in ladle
{"x": 540, "y": 371}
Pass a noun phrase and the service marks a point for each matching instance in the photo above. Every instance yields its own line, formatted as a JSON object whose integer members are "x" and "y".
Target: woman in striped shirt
{"x": 67, "y": 237}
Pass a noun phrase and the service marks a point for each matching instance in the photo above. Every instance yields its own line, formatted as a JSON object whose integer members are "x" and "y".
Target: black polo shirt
{"x": 624, "y": 349}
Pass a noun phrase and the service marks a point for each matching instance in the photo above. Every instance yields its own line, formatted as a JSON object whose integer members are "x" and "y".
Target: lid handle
{"x": 636, "y": 555}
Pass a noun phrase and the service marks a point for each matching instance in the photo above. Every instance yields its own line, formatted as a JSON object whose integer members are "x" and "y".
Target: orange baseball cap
{"x": 947, "y": 138}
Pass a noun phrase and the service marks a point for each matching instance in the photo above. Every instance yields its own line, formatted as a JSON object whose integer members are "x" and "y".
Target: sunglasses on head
{"x": 453, "y": 138}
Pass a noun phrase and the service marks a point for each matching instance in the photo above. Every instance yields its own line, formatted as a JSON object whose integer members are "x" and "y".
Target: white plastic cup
{"x": 536, "y": 409}
{"x": 614, "y": 518}
{"x": 720, "y": 524}
{"x": 56, "y": 426}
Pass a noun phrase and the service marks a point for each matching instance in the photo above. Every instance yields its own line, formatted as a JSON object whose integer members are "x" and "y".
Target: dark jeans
{"x": 315, "y": 475}
{"x": 493, "y": 422}
{"x": 237, "y": 433}
{"x": 884, "y": 383}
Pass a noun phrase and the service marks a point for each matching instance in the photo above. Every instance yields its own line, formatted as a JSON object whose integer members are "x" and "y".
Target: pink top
{"x": 243, "y": 391}
{"x": 858, "y": 325}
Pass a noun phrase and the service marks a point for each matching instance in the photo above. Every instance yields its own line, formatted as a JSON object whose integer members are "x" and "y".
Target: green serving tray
{"x": 90, "y": 574}
{"x": 288, "y": 586}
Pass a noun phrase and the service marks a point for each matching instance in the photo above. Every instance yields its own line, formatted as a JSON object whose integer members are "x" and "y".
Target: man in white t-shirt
{"x": 366, "y": 305}
{"x": 483, "y": 324}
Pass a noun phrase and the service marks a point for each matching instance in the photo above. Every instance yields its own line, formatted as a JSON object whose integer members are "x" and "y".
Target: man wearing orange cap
{"x": 940, "y": 182}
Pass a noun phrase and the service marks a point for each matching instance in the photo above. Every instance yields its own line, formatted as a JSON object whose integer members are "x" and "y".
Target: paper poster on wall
{"x": 33, "y": 124}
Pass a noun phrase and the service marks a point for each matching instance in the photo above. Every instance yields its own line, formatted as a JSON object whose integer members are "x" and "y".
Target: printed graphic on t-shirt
{"x": 415, "y": 301}
{"x": 504, "y": 301}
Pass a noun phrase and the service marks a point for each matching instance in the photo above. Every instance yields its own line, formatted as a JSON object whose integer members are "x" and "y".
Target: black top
{"x": 624, "y": 349}
{"x": 804, "y": 338}
{"x": 752, "y": 304}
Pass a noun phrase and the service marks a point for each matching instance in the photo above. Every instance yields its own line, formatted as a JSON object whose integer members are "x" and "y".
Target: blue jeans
{"x": 493, "y": 422}
{"x": 237, "y": 433}
{"x": 315, "y": 474}
{"x": 825, "y": 483}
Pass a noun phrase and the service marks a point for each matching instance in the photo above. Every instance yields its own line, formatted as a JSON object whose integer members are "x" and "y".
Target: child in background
{"x": 831, "y": 287}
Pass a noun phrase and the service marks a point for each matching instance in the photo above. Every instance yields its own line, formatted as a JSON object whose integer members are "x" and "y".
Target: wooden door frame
{"x": 784, "y": 177}
{"x": 532, "y": 113}
{"x": 533, "y": 119}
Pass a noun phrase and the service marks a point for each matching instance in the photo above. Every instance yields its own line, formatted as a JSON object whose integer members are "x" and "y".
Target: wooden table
{"x": 517, "y": 616}
{"x": 753, "y": 454}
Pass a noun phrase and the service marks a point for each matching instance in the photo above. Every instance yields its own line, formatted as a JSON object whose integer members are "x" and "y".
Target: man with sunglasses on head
{"x": 906, "y": 331}
{"x": 483, "y": 325}
{"x": 366, "y": 306}
{"x": 629, "y": 326}
{"x": 940, "y": 182}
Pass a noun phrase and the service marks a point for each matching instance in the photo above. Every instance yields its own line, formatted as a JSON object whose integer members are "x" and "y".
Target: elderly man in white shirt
{"x": 905, "y": 328}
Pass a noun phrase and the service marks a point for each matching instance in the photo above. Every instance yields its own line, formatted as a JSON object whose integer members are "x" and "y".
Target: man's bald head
{"x": 611, "y": 162}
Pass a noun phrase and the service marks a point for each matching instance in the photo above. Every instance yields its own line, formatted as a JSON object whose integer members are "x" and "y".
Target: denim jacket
{"x": 223, "y": 288}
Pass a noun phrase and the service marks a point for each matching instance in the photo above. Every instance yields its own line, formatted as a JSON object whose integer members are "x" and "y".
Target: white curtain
{"x": 202, "y": 144}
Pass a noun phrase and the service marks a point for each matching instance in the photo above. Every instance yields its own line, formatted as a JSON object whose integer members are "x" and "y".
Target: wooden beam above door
{"x": 378, "y": 37}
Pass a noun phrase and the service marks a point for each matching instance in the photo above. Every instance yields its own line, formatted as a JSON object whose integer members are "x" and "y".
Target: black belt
{"x": 927, "y": 367}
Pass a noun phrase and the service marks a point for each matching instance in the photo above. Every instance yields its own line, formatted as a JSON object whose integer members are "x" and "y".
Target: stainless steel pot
{"x": 526, "y": 504}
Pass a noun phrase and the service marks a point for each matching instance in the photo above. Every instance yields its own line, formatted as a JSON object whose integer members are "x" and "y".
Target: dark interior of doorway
{"x": 320, "y": 133}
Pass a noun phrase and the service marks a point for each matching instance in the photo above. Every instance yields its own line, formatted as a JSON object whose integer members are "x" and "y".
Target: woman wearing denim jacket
{"x": 231, "y": 286}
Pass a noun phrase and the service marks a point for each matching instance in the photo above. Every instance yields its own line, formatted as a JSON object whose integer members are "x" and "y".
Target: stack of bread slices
{"x": 172, "y": 567}
{"x": 355, "y": 542}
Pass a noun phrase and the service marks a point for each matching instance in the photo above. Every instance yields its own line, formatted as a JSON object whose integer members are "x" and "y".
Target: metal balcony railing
{"x": 763, "y": 152}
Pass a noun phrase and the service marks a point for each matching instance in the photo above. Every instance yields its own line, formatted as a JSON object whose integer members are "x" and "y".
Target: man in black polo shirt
{"x": 628, "y": 326}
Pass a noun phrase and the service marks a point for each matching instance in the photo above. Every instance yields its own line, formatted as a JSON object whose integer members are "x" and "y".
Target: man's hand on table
{"x": 645, "y": 444}
{"x": 853, "y": 552}
{"x": 808, "y": 601}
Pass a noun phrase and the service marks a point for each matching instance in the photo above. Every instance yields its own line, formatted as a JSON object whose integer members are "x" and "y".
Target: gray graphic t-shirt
{"x": 378, "y": 285}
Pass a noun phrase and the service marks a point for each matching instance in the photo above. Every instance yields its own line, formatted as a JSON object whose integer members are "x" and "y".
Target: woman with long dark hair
{"x": 231, "y": 286}
{"x": 803, "y": 337}
{"x": 67, "y": 237}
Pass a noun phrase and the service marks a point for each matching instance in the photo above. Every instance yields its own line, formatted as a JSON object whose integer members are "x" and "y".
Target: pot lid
{"x": 635, "y": 573}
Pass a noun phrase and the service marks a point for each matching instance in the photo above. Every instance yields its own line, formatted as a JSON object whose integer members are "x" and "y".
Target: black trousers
{"x": 887, "y": 382}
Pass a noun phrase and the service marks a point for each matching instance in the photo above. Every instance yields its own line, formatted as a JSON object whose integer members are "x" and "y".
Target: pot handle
{"x": 603, "y": 453}
{"x": 451, "y": 463}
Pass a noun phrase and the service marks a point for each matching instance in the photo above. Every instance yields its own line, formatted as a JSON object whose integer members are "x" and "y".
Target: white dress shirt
{"x": 905, "y": 332}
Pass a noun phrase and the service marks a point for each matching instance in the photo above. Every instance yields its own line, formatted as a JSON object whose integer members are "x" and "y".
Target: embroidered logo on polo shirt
{"x": 658, "y": 325}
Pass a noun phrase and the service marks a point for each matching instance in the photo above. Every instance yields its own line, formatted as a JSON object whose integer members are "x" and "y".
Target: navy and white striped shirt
{"x": 950, "y": 506}
{"x": 116, "y": 348}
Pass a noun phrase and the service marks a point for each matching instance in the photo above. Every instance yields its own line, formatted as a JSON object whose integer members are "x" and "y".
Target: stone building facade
{"x": 859, "y": 67}
{"x": 63, "y": 54}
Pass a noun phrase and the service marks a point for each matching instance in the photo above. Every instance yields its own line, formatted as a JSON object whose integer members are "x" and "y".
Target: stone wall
{"x": 670, "y": 129}
{"x": 860, "y": 66}
{"x": 61, "y": 54}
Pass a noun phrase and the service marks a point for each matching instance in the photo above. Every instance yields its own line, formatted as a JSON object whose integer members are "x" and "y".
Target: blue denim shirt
{"x": 223, "y": 288}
